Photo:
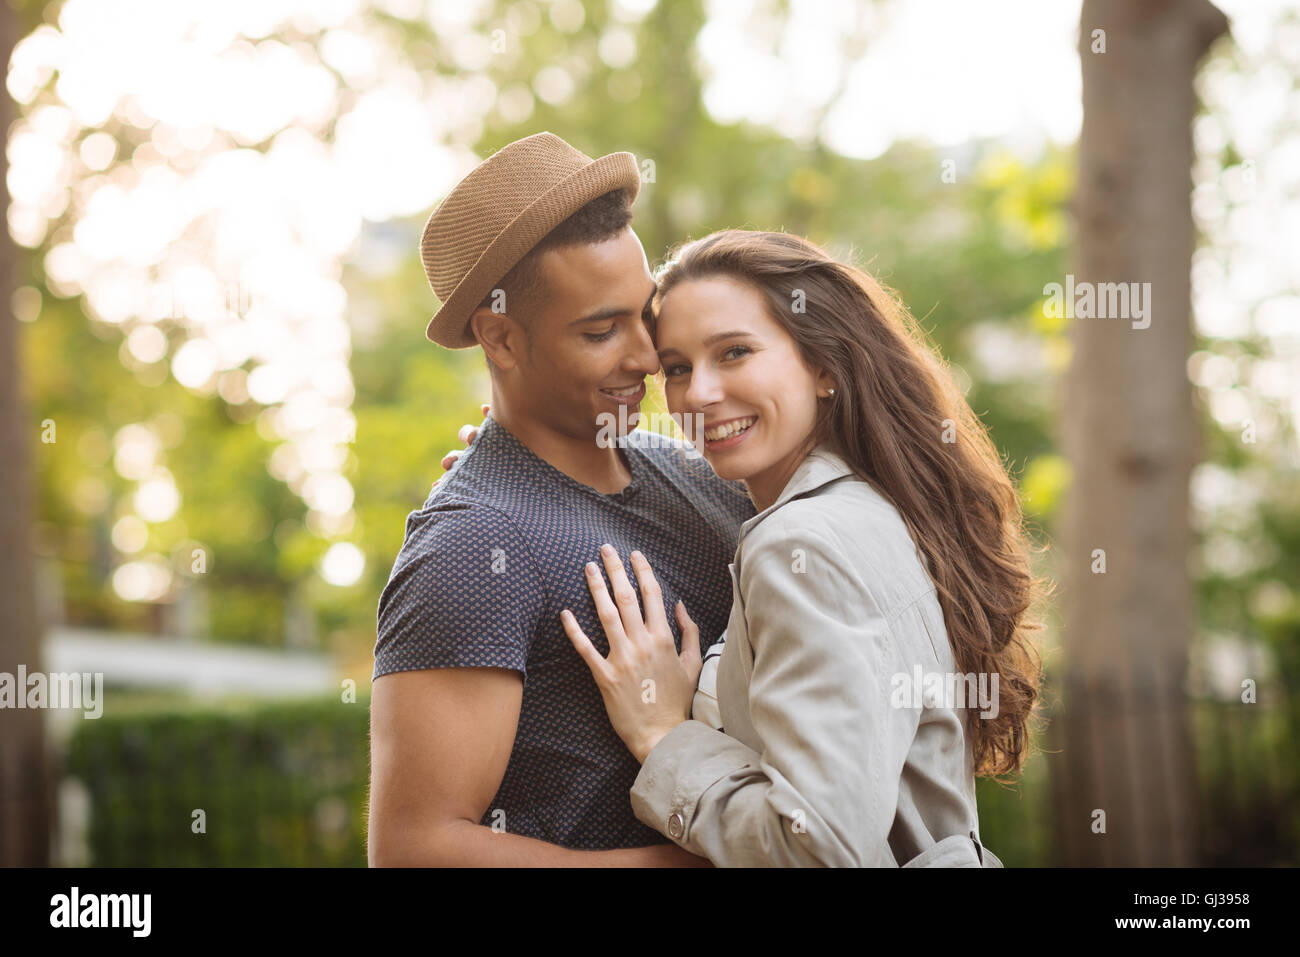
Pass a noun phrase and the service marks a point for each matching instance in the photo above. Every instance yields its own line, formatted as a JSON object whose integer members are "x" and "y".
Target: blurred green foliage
{"x": 279, "y": 784}
{"x": 966, "y": 255}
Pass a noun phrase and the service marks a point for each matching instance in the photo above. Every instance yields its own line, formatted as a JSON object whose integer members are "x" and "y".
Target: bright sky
{"x": 248, "y": 246}
{"x": 934, "y": 69}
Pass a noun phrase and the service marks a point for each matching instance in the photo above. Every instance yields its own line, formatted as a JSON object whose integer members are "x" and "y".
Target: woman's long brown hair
{"x": 900, "y": 421}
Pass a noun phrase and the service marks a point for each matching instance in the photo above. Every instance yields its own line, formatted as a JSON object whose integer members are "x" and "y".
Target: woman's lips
{"x": 732, "y": 440}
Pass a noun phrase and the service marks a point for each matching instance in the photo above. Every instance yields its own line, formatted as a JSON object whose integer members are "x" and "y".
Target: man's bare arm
{"x": 440, "y": 740}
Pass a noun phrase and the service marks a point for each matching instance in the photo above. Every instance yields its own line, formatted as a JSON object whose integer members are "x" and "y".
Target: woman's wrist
{"x": 649, "y": 741}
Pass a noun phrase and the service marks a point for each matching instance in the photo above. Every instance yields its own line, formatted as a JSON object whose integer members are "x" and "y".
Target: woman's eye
{"x": 599, "y": 336}
{"x": 742, "y": 350}
{"x": 674, "y": 370}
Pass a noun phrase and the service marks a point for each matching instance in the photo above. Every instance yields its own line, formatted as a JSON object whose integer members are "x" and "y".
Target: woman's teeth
{"x": 730, "y": 429}
{"x": 632, "y": 390}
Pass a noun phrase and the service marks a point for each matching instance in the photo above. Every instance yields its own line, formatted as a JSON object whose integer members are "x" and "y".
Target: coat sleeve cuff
{"x": 686, "y": 762}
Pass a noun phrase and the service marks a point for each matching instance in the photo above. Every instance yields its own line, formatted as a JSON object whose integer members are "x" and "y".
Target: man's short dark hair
{"x": 525, "y": 285}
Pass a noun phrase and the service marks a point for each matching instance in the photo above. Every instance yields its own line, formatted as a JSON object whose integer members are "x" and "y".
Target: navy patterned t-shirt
{"x": 488, "y": 564}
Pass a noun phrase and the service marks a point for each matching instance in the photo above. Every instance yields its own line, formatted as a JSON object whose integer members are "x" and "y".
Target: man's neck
{"x": 603, "y": 469}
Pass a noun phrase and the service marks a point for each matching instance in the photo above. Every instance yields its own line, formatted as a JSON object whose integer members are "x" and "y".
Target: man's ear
{"x": 499, "y": 335}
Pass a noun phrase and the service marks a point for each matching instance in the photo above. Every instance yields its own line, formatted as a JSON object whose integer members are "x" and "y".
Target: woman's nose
{"x": 703, "y": 390}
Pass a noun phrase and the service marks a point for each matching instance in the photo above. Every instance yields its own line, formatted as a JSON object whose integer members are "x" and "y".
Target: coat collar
{"x": 820, "y": 467}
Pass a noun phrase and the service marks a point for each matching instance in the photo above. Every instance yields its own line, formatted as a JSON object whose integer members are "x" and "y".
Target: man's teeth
{"x": 730, "y": 429}
{"x": 623, "y": 392}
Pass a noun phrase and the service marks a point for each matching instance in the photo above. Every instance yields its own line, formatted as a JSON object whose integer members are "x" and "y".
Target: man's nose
{"x": 643, "y": 357}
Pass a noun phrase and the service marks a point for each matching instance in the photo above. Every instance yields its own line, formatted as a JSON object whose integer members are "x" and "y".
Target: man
{"x": 490, "y": 743}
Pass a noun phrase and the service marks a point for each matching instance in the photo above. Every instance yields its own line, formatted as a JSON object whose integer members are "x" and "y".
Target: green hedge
{"x": 1014, "y": 818}
{"x": 281, "y": 784}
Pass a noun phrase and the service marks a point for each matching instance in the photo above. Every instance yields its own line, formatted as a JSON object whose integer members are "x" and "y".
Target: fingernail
{"x": 637, "y": 555}
{"x": 606, "y": 550}
{"x": 591, "y": 568}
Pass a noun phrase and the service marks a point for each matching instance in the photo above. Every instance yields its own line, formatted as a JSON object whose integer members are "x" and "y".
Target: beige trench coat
{"x": 832, "y": 754}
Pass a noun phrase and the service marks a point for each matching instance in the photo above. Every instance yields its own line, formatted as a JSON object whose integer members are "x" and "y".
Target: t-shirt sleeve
{"x": 464, "y": 592}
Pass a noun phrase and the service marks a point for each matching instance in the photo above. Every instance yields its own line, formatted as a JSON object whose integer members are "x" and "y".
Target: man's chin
{"x": 614, "y": 421}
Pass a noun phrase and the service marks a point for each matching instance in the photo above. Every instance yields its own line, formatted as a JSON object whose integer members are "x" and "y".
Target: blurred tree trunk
{"x": 25, "y": 788}
{"x": 1130, "y": 434}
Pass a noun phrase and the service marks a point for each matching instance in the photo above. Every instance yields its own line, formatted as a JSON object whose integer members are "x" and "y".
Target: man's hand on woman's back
{"x": 467, "y": 434}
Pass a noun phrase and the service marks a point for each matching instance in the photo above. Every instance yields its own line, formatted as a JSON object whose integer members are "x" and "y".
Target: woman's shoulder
{"x": 842, "y": 511}
{"x": 849, "y": 522}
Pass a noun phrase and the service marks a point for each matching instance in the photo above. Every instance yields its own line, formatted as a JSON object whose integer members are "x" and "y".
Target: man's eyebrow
{"x": 716, "y": 337}
{"x": 612, "y": 312}
{"x": 609, "y": 312}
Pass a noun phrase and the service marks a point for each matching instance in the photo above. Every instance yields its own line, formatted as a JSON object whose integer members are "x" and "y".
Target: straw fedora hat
{"x": 499, "y": 212}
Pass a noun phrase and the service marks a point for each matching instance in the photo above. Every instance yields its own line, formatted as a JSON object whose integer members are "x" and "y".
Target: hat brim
{"x": 449, "y": 326}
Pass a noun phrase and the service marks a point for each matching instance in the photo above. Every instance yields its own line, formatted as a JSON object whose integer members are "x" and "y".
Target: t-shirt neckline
{"x": 632, "y": 459}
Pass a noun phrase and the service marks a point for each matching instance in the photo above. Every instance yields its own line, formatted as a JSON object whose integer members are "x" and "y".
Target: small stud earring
{"x": 830, "y": 391}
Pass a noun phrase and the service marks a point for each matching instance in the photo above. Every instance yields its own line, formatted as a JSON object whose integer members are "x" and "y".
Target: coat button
{"x": 676, "y": 826}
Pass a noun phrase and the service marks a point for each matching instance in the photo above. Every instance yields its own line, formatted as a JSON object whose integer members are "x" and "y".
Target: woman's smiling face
{"x": 731, "y": 368}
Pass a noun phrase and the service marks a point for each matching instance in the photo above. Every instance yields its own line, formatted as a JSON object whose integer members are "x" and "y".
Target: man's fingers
{"x": 485, "y": 407}
{"x": 468, "y": 433}
{"x": 450, "y": 458}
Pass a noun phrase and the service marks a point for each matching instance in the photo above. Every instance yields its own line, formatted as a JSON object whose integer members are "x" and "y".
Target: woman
{"x": 878, "y": 591}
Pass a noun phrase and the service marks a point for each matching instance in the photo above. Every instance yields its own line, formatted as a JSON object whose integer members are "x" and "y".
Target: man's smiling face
{"x": 588, "y": 348}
